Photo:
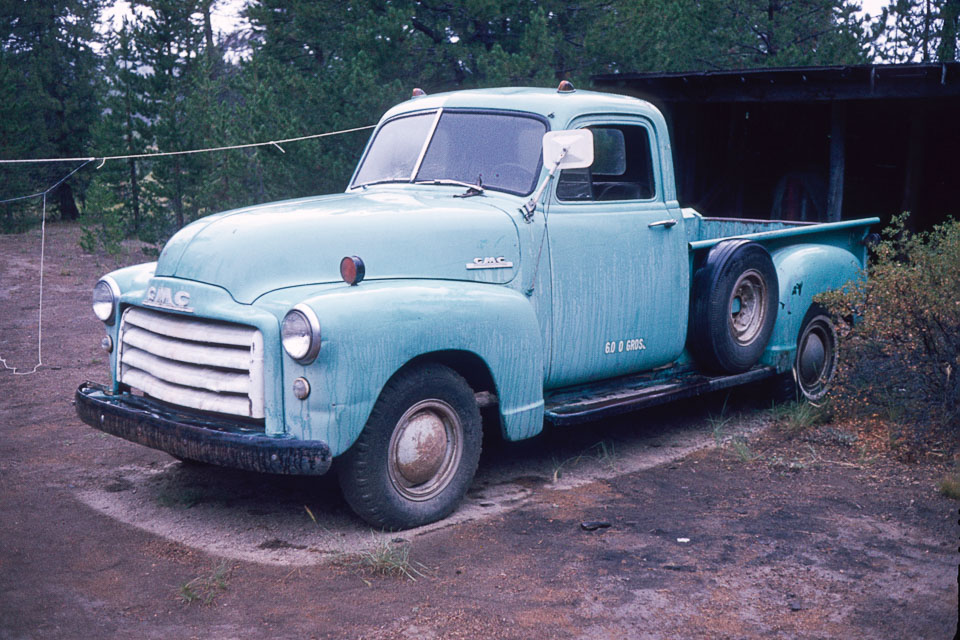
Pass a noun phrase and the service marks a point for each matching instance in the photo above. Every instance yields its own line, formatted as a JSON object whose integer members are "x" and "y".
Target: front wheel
{"x": 417, "y": 454}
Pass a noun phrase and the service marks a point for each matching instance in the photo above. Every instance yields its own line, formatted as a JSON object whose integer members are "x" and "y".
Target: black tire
{"x": 815, "y": 361}
{"x": 428, "y": 410}
{"x": 734, "y": 307}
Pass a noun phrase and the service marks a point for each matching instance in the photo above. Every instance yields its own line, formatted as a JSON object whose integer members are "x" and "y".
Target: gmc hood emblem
{"x": 165, "y": 298}
{"x": 498, "y": 262}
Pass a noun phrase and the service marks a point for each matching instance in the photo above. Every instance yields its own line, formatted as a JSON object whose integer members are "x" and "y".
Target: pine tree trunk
{"x": 134, "y": 194}
{"x": 68, "y": 207}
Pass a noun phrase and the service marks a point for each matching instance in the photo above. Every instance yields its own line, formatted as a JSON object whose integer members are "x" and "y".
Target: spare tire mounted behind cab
{"x": 735, "y": 296}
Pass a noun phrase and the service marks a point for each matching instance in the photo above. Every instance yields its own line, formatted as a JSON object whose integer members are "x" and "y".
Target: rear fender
{"x": 804, "y": 271}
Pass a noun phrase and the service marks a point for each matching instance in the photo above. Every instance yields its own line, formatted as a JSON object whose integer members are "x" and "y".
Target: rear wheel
{"x": 815, "y": 362}
{"x": 418, "y": 452}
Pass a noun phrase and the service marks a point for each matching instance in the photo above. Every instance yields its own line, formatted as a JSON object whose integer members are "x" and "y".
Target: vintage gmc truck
{"x": 517, "y": 249}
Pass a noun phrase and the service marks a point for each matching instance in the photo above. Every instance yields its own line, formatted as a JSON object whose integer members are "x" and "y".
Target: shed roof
{"x": 793, "y": 84}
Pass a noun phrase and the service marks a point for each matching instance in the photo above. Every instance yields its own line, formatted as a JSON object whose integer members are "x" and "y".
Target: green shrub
{"x": 949, "y": 485}
{"x": 900, "y": 359}
{"x": 101, "y": 223}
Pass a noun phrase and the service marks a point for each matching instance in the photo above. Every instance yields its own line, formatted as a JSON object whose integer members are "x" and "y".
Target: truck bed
{"x": 703, "y": 232}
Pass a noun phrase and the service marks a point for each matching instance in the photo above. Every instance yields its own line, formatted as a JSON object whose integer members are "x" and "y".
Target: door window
{"x": 622, "y": 168}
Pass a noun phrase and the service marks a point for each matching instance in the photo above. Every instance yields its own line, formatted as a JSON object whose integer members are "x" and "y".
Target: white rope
{"x": 43, "y": 243}
{"x": 159, "y": 154}
{"x": 43, "y": 237}
{"x": 87, "y": 160}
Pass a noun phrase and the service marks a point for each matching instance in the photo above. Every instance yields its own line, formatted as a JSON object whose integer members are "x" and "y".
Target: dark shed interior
{"x": 817, "y": 143}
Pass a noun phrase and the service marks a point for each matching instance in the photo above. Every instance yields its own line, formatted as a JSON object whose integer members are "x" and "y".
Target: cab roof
{"x": 559, "y": 107}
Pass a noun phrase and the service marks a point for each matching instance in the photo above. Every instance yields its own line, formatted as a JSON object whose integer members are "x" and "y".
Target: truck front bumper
{"x": 184, "y": 435}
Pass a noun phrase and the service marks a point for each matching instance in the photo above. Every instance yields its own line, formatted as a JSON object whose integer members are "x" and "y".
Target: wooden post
{"x": 914, "y": 168}
{"x": 838, "y": 144}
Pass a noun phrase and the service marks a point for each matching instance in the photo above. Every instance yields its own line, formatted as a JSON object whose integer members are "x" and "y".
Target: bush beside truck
{"x": 900, "y": 359}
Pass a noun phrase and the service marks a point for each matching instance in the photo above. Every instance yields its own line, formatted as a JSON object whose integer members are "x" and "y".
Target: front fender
{"x": 371, "y": 331}
{"x": 132, "y": 282}
{"x": 804, "y": 271}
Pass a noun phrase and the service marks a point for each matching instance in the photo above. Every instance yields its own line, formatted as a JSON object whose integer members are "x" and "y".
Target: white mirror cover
{"x": 578, "y": 144}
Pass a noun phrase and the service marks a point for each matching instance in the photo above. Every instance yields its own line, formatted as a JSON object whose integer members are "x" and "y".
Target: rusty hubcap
{"x": 425, "y": 449}
{"x": 748, "y": 308}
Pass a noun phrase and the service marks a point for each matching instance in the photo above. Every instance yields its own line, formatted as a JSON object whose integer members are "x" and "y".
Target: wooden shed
{"x": 812, "y": 143}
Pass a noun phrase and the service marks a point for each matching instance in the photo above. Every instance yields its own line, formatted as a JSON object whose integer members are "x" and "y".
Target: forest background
{"x": 161, "y": 79}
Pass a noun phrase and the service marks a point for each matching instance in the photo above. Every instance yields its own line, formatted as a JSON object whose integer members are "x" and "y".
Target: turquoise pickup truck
{"x": 519, "y": 250}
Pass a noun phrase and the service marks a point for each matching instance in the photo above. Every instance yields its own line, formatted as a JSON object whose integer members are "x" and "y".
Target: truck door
{"x": 619, "y": 260}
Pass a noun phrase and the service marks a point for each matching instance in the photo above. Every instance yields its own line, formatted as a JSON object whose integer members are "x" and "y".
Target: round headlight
{"x": 300, "y": 334}
{"x": 105, "y": 295}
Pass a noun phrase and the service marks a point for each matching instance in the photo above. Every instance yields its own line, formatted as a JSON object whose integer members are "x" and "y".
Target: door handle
{"x": 663, "y": 223}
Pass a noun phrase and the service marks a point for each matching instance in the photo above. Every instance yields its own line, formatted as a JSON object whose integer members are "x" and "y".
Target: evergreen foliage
{"x": 920, "y": 31}
{"x": 48, "y": 101}
{"x": 164, "y": 81}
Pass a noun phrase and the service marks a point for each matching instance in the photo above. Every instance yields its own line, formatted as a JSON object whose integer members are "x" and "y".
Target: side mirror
{"x": 569, "y": 149}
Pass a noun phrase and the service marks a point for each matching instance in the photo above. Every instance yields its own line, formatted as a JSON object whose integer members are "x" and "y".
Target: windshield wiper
{"x": 373, "y": 182}
{"x": 472, "y": 189}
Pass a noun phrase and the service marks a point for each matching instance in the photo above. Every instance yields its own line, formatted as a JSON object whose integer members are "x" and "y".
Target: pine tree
{"x": 47, "y": 70}
{"x": 124, "y": 127}
{"x": 920, "y": 31}
{"x": 169, "y": 40}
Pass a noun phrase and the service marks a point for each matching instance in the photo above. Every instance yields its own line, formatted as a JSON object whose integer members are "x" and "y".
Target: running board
{"x": 630, "y": 393}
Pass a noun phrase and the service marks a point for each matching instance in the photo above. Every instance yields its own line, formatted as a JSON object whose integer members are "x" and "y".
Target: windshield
{"x": 494, "y": 150}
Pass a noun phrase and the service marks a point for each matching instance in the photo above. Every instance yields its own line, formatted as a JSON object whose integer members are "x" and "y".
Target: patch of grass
{"x": 742, "y": 450}
{"x": 604, "y": 451}
{"x": 719, "y": 423}
{"x": 949, "y": 485}
{"x": 779, "y": 463}
{"x": 559, "y": 465}
{"x": 388, "y": 558}
{"x": 840, "y": 437}
{"x": 865, "y": 456}
{"x": 797, "y": 417}
{"x": 205, "y": 588}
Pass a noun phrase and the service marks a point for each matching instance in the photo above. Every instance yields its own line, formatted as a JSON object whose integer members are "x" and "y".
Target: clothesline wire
{"x": 87, "y": 160}
{"x": 159, "y": 154}
{"x": 43, "y": 242}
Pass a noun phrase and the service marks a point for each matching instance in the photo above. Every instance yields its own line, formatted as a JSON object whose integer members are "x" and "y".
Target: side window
{"x": 622, "y": 168}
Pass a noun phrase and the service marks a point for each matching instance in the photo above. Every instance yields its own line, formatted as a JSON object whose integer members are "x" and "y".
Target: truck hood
{"x": 397, "y": 232}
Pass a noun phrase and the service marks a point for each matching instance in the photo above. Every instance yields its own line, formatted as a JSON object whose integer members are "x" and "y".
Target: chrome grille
{"x": 193, "y": 362}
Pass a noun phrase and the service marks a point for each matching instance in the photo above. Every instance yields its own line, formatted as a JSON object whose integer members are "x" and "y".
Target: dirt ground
{"x": 809, "y": 536}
